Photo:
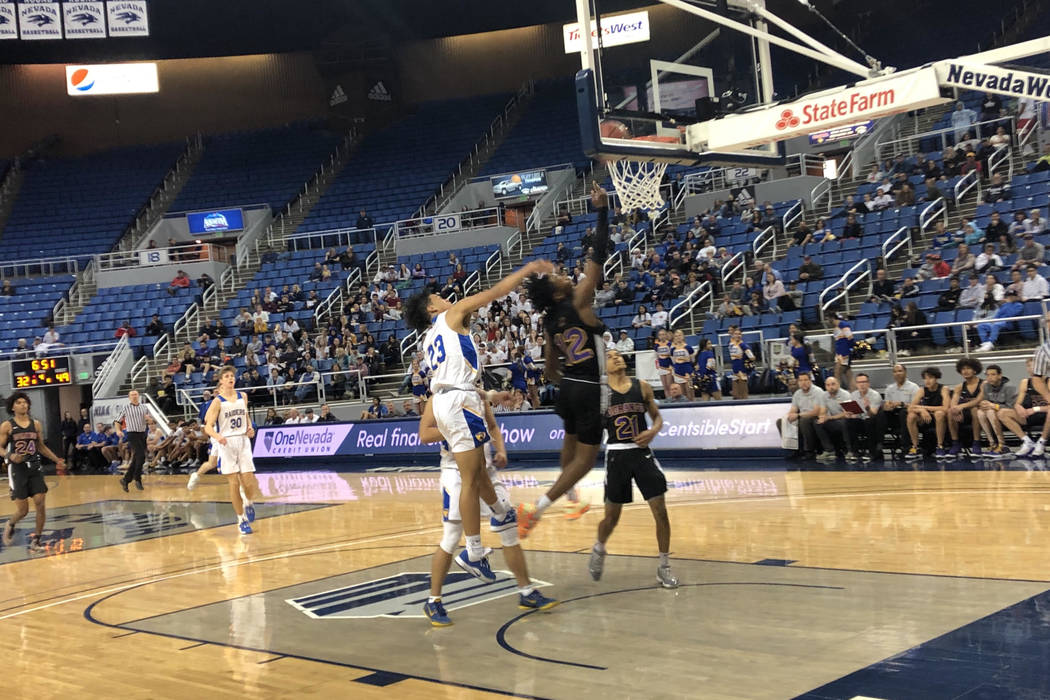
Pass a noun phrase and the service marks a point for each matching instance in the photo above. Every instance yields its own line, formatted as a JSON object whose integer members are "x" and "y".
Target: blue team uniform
{"x": 801, "y": 355}
{"x": 663, "y": 356}
{"x": 682, "y": 359}
{"x": 708, "y": 372}
{"x": 739, "y": 355}
{"x": 517, "y": 375}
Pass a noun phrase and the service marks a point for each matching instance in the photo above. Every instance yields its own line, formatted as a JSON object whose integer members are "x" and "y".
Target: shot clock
{"x": 40, "y": 372}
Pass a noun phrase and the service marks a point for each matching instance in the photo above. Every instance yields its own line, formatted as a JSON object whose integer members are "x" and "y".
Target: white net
{"x": 637, "y": 184}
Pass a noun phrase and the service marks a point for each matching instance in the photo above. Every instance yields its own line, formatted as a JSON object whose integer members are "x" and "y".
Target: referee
{"x": 133, "y": 417}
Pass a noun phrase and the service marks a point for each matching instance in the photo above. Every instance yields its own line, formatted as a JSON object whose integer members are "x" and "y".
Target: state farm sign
{"x": 868, "y": 100}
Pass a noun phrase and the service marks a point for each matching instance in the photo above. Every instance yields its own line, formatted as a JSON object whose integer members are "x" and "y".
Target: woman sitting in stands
{"x": 418, "y": 273}
{"x": 272, "y": 418}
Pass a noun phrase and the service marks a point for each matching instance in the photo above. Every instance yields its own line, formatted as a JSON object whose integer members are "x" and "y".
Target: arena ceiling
{"x": 197, "y": 28}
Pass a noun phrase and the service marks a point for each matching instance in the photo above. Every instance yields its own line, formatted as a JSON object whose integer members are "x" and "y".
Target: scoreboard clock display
{"x": 40, "y": 372}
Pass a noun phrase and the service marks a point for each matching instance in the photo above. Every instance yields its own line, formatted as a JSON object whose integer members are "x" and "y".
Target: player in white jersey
{"x": 229, "y": 414}
{"x": 495, "y": 457}
{"x": 452, "y": 361}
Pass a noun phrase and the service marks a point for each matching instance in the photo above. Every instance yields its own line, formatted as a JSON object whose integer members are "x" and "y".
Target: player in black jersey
{"x": 22, "y": 443}
{"x": 627, "y": 458}
{"x": 574, "y": 354}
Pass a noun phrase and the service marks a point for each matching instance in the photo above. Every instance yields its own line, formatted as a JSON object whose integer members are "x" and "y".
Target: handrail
{"x": 191, "y": 317}
{"x": 889, "y": 148}
{"x": 846, "y": 285}
{"x": 61, "y": 349}
{"x": 1026, "y": 134}
{"x": 39, "y": 266}
{"x": 318, "y": 384}
{"x": 961, "y": 188}
{"x": 824, "y": 187}
{"x": 472, "y": 282}
{"x": 1000, "y": 156}
{"x": 515, "y": 241}
{"x": 638, "y": 240}
{"x": 613, "y": 265}
{"x": 844, "y": 165}
{"x": 147, "y": 215}
{"x": 703, "y": 291}
{"x": 372, "y": 263}
{"x": 175, "y": 255}
{"x": 732, "y": 266}
{"x": 891, "y": 245}
{"x": 109, "y": 366}
{"x": 472, "y": 218}
{"x": 493, "y": 261}
{"x": 931, "y": 211}
{"x": 762, "y": 240}
{"x": 328, "y": 238}
{"x": 408, "y": 343}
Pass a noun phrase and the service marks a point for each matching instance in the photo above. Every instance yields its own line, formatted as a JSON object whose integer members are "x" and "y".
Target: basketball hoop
{"x": 637, "y": 184}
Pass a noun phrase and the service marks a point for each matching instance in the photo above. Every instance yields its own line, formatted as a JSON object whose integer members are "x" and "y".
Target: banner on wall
{"x": 127, "y": 18}
{"x": 39, "y": 20}
{"x": 212, "y": 222}
{"x": 112, "y": 79}
{"x": 8, "y": 21}
{"x": 686, "y": 429}
{"x": 84, "y": 20}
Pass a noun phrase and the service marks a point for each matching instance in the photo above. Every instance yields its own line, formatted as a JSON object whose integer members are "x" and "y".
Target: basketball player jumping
{"x": 574, "y": 351}
{"x": 22, "y": 443}
{"x": 627, "y": 458}
{"x": 453, "y": 366}
{"x": 229, "y": 412}
{"x": 495, "y": 457}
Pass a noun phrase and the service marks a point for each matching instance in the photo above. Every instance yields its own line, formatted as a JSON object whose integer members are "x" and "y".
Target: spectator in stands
{"x": 991, "y": 108}
{"x": 7, "y": 289}
{"x": 125, "y": 329}
{"x": 659, "y": 317}
{"x": 376, "y": 410}
{"x": 773, "y": 292}
{"x": 905, "y": 195}
{"x": 1035, "y": 286}
{"x": 964, "y": 260}
{"x": 852, "y": 228}
{"x": 51, "y": 336}
{"x": 756, "y": 305}
{"x": 272, "y": 417}
{"x": 941, "y": 238}
{"x": 1016, "y": 227}
{"x": 971, "y": 234}
{"x": 624, "y": 344}
{"x": 997, "y": 190}
{"x": 674, "y": 395}
{"x": 204, "y": 281}
{"x": 22, "y": 350}
{"x": 898, "y": 396}
{"x": 988, "y": 261}
{"x": 260, "y": 319}
{"x": 803, "y": 234}
{"x": 910, "y": 340}
{"x": 973, "y": 295}
{"x": 1043, "y": 164}
{"x": 809, "y": 270}
{"x": 933, "y": 192}
{"x": 931, "y": 171}
{"x": 949, "y": 298}
{"x": 731, "y": 309}
{"x": 90, "y": 446}
{"x": 181, "y": 281}
{"x": 962, "y": 119}
{"x": 998, "y": 233}
{"x": 882, "y": 288}
{"x": 971, "y": 164}
{"x": 874, "y": 174}
{"x": 155, "y": 327}
{"x": 642, "y": 319}
{"x": 364, "y": 221}
{"x": 1016, "y": 282}
{"x": 993, "y": 290}
{"x": 989, "y": 332}
{"x": 883, "y": 200}
{"x": 1031, "y": 253}
{"x": 1035, "y": 224}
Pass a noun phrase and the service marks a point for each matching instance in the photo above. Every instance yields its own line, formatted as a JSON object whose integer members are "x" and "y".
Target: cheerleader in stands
{"x": 707, "y": 372}
{"x": 683, "y": 359}
{"x": 742, "y": 360}
{"x": 662, "y": 346}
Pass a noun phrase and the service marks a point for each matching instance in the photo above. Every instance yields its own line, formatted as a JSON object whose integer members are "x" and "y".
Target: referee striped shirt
{"x": 134, "y": 418}
{"x": 1041, "y": 361}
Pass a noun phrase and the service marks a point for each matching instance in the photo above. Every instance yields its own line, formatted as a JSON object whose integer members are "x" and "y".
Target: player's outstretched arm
{"x": 594, "y": 269}
{"x": 428, "y": 430}
{"x": 646, "y": 436}
{"x": 461, "y": 310}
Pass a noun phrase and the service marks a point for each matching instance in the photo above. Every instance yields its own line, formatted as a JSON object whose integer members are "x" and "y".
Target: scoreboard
{"x": 41, "y": 372}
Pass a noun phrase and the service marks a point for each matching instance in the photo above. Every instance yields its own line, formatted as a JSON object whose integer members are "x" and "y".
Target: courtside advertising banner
{"x": 127, "y": 18}
{"x": 686, "y": 429}
{"x": 112, "y": 79}
{"x": 40, "y": 20}
{"x": 628, "y": 28}
{"x": 8, "y": 21}
{"x": 84, "y": 20}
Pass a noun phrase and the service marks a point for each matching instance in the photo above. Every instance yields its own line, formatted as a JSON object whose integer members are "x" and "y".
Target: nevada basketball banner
{"x": 1011, "y": 82}
{"x": 84, "y": 20}
{"x": 127, "y": 18}
{"x": 8, "y": 21}
{"x": 39, "y": 20}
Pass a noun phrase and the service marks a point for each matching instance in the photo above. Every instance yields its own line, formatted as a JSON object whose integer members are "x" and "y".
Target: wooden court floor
{"x": 154, "y": 593}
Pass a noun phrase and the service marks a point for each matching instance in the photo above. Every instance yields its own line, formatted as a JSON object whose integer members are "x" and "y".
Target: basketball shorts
{"x": 1036, "y": 420}
{"x": 637, "y": 464}
{"x": 579, "y": 406}
{"x": 460, "y": 418}
{"x": 25, "y": 482}
{"x": 236, "y": 455}
{"x": 450, "y": 489}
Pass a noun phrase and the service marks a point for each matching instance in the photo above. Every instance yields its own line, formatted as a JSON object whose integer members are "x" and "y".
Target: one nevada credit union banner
{"x": 686, "y": 428}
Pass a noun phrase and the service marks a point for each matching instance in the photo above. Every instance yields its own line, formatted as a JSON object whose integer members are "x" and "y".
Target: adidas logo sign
{"x": 379, "y": 93}
{"x": 338, "y": 96}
